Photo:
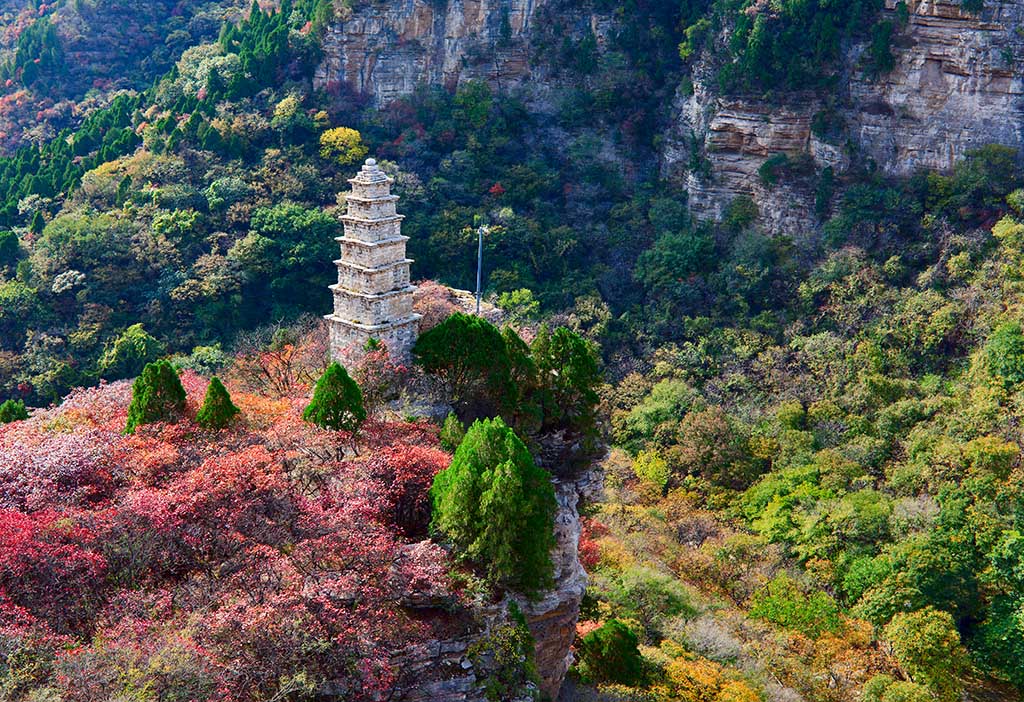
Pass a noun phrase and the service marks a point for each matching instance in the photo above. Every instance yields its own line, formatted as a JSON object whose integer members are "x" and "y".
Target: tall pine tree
{"x": 498, "y": 508}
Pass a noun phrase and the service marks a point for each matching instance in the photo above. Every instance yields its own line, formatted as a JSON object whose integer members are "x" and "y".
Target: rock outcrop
{"x": 443, "y": 669}
{"x": 384, "y": 50}
{"x": 953, "y": 88}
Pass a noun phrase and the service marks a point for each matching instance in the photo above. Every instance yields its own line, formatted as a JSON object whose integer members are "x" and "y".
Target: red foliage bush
{"x": 407, "y": 472}
{"x": 48, "y": 567}
{"x": 589, "y": 551}
{"x": 199, "y": 564}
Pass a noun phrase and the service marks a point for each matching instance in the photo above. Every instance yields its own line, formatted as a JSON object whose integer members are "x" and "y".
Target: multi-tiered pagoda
{"x": 373, "y": 296}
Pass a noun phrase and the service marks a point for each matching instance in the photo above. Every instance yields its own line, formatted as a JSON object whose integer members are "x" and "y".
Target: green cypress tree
{"x": 12, "y": 411}
{"x": 157, "y": 394}
{"x": 337, "y": 402}
{"x": 452, "y": 433}
{"x": 570, "y": 374}
{"x": 498, "y": 508}
{"x": 10, "y": 249}
{"x": 217, "y": 409}
{"x": 469, "y": 355}
{"x": 37, "y": 224}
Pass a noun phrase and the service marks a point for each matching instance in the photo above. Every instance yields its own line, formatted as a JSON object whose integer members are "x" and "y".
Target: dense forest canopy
{"x": 814, "y": 479}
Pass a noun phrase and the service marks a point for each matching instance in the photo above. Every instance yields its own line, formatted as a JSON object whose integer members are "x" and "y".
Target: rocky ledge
{"x": 443, "y": 669}
{"x": 953, "y": 88}
{"x": 384, "y": 50}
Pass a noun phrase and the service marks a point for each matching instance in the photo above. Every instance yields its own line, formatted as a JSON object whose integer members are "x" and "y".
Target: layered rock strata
{"x": 384, "y": 50}
{"x": 953, "y": 88}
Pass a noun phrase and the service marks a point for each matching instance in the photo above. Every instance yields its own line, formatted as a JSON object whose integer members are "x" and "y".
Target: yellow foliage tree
{"x": 700, "y": 680}
{"x": 343, "y": 145}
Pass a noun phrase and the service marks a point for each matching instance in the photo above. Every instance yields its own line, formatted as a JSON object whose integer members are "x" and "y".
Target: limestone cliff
{"x": 953, "y": 88}
{"x": 443, "y": 669}
{"x": 384, "y": 50}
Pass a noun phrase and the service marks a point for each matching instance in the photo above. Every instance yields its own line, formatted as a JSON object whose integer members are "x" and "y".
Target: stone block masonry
{"x": 373, "y": 295}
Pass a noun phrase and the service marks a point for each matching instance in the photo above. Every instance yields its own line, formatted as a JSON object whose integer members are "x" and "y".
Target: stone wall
{"x": 375, "y": 280}
{"x": 349, "y": 341}
{"x": 372, "y": 255}
{"x": 370, "y": 310}
{"x": 379, "y": 208}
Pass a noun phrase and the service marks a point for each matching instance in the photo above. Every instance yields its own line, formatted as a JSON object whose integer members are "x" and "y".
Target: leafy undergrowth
{"x": 256, "y": 562}
{"x": 689, "y": 582}
{"x": 831, "y": 509}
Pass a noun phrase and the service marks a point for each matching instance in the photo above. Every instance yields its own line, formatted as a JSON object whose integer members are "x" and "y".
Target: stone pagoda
{"x": 373, "y": 295}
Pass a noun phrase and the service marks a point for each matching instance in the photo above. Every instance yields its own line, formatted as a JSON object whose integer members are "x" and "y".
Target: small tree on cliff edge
{"x": 498, "y": 508}
{"x": 157, "y": 395}
{"x": 337, "y": 402}
{"x": 217, "y": 409}
{"x": 468, "y": 354}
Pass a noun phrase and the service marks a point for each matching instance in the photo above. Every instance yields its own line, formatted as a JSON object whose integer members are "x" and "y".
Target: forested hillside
{"x": 810, "y": 356}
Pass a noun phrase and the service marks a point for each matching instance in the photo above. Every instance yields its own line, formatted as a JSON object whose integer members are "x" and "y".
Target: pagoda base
{"x": 348, "y": 339}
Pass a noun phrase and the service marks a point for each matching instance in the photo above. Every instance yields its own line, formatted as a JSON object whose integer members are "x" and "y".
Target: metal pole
{"x": 479, "y": 264}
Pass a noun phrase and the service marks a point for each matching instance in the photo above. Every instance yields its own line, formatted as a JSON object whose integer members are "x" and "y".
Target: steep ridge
{"x": 443, "y": 669}
{"x": 953, "y": 88}
{"x": 386, "y": 50}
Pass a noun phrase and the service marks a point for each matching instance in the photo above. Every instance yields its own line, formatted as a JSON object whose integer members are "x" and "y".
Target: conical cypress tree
{"x": 497, "y": 507}
{"x": 157, "y": 394}
{"x": 337, "y": 402}
{"x": 217, "y": 409}
{"x": 12, "y": 411}
{"x": 38, "y": 223}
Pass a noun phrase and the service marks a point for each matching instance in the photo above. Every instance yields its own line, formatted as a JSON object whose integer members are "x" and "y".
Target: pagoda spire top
{"x": 370, "y": 173}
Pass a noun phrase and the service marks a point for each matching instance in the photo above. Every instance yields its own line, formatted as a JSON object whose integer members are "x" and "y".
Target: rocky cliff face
{"x": 384, "y": 50}
{"x": 445, "y": 670}
{"x": 953, "y": 88}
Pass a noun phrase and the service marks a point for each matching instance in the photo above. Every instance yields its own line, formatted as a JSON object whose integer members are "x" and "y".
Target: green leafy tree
{"x": 785, "y": 604}
{"x": 611, "y": 654}
{"x": 649, "y": 597}
{"x": 927, "y": 646}
{"x": 497, "y": 507}
{"x": 469, "y": 355}
{"x": 129, "y": 353}
{"x": 1004, "y": 353}
{"x": 520, "y": 305}
{"x": 569, "y": 371}
{"x": 12, "y": 411}
{"x": 157, "y": 395}
{"x": 10, "y": 250}
{"x": 337, "y": 402}
{"x": 18, "y": 306}
{"x": 452, "y": 433}
{"x": 37, "y": 224}
{"x": 1000, "y": 638}
{"x": 651, "y": 468}
{"x": 218, "y": 409}
{"x": 675, "y": 257}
